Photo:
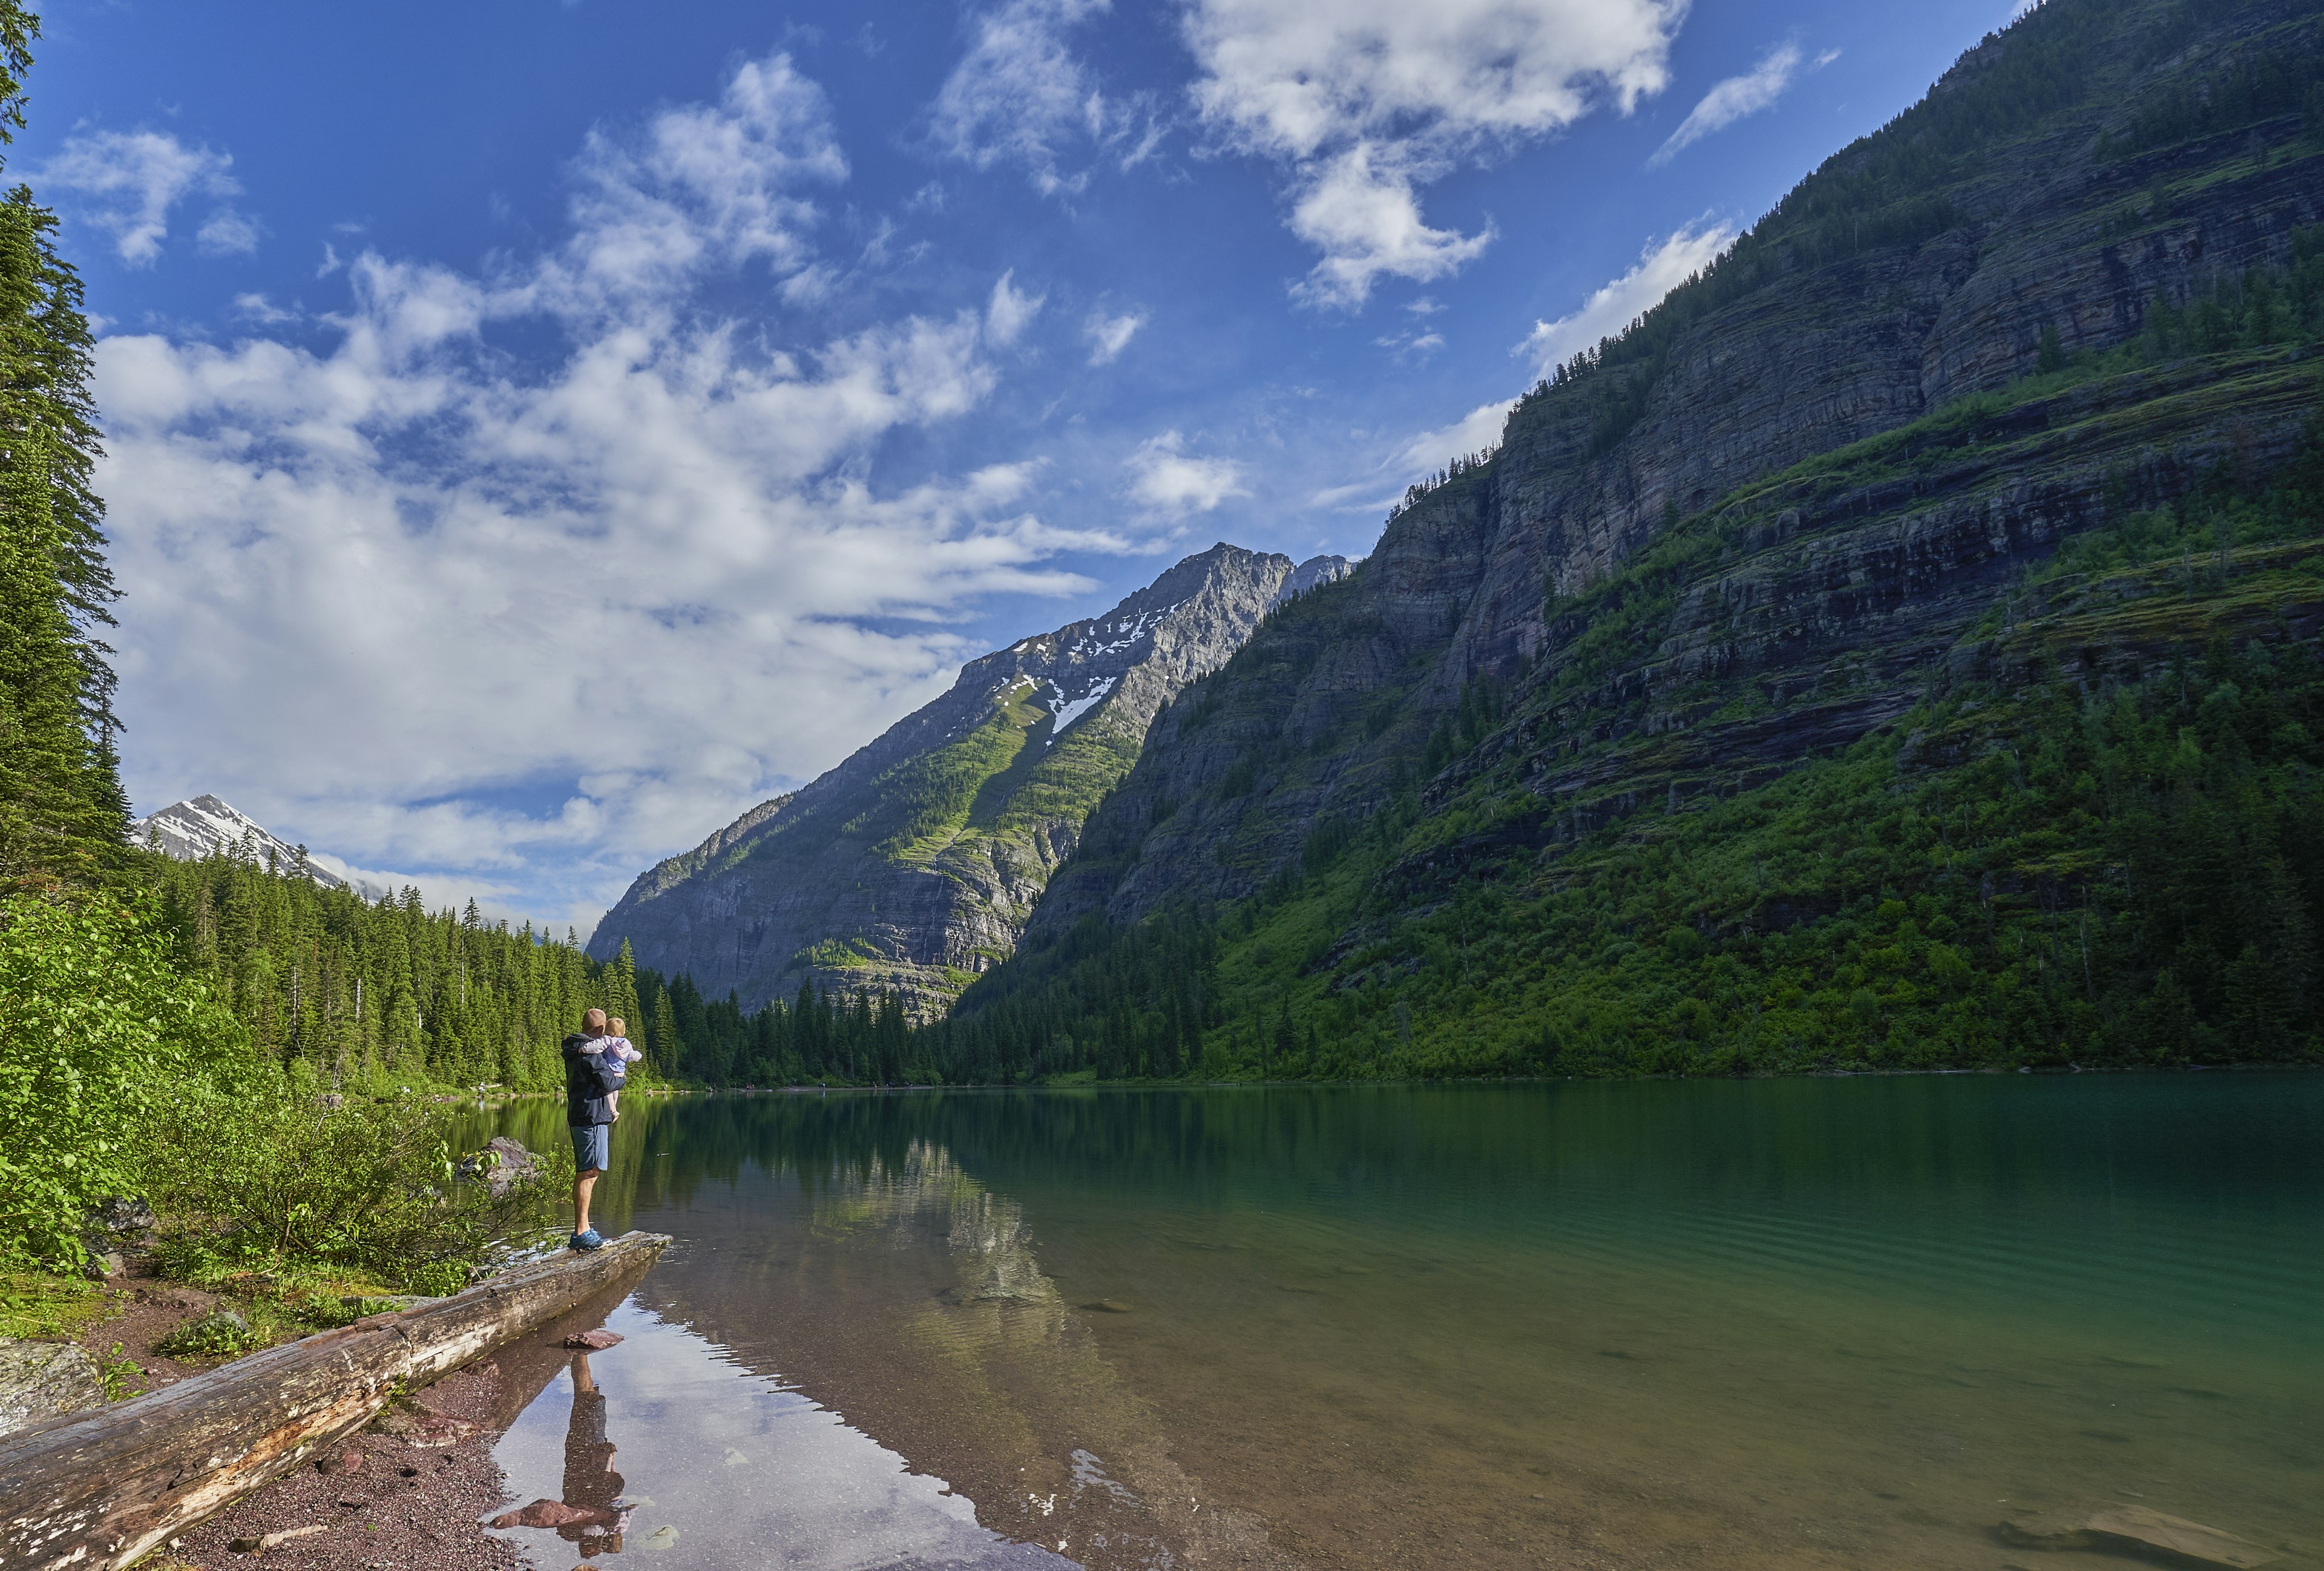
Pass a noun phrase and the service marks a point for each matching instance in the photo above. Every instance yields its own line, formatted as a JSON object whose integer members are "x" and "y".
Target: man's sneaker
{"x": 584, "y": 1242}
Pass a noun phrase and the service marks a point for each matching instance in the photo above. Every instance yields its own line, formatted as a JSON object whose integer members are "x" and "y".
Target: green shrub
{"x": 266, "y": 1175}
{"x": 100, "y": 1028}
{"x": 220, "y": 1333}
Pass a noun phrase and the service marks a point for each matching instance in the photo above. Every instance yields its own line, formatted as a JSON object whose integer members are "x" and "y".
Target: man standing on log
{"x": 587, "y": 1086}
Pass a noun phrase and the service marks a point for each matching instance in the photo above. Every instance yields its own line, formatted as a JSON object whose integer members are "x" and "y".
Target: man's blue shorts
{"x": 592, "y": 1147}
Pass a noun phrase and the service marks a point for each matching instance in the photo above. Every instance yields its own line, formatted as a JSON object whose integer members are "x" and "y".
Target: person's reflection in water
{"x": 590, "y": 1481}
{"x": 588, "y": 1515}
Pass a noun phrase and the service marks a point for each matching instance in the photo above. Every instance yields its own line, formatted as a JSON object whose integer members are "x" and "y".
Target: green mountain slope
{"x": 911, "y": 867}
{"x": 1899, "y": 648}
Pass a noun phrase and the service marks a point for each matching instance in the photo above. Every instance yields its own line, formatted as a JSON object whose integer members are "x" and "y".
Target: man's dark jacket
{"x": 586, "y": 1083}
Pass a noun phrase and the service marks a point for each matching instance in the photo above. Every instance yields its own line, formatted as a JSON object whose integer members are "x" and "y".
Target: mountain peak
{"x": 916, "y": 861}
{"x": 210, "y": 825}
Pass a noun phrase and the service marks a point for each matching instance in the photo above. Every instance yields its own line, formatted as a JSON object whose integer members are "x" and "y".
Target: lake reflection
{"x": 1771, "y": 1323}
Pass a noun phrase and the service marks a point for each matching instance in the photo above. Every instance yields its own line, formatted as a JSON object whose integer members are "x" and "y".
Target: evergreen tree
{"x": 62, "y": 813}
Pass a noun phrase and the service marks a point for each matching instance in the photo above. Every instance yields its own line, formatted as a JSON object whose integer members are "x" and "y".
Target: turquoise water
{"x": 1842, "y": 1322}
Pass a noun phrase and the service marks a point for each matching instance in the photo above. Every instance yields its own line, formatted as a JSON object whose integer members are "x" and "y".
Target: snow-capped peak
{"x": 209, "y": 826}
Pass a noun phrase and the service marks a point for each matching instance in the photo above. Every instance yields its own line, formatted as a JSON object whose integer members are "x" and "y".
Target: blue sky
{"x": 542, "y": 429}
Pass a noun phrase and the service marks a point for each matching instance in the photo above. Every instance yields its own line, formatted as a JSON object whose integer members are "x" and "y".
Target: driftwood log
{"x": 102, "y": 1489}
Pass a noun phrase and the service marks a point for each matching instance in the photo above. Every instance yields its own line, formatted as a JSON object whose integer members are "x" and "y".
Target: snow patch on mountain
{"x": 207, "y": 826}
{"x": 1066, "y": 713}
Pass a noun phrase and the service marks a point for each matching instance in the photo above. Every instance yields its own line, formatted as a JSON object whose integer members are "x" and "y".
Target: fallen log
{"x": 102, "y": 1489}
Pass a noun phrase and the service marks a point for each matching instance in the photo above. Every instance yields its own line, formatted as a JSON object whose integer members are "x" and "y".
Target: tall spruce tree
{"x": 63, "y": 817}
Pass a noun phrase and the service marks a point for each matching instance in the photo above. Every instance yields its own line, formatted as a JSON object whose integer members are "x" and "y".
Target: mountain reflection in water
{"x": 1767, "y": 1324}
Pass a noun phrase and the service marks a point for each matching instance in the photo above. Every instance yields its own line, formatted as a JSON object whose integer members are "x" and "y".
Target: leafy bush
{"x": 100, "y": 1027}
{"x": 220, "y": 1333}
{"x": 266, "y": 1175}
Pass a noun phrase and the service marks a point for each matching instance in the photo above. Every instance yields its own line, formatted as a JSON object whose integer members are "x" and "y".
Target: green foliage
{"x": 265, "y": 1176}
{"x": 2278, "y": 79}
{"x": 1123, "y": 1004}
{"x": 62, "y": 815}
{"x": 2050, "y": 356}
{"x": 220, "y": 1333}
{"x": 118, "y": 1376}
{"x": 370, "y": 997}
{"x": 42, "y": 1305}
{"x": 102, "y": 1031}
{"x": 2261, "y": 307}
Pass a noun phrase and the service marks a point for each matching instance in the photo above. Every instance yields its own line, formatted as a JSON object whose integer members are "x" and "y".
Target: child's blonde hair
{"x": 618, "y": 1026}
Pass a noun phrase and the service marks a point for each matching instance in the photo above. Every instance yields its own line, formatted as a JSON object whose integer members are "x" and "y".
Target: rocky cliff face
{"x": 1761, "y": 524}
{"x": 913, "y": 864}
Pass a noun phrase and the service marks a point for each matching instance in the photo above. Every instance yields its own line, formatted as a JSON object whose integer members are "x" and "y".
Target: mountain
{"x": 207, "y": 826}
{"x": 1898, "y": 647}
{"x": 912, "y": 866}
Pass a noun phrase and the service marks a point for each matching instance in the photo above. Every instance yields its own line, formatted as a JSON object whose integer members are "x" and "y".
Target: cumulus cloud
{"x": 385, "y": 582}
{"x": 1614, "y": 304}
{"x": 1020, "y": 95}
{"x": 1737, "y": 96}
{"x": 1109, "y": 336}
{"x": 126, "y": 183}
{"x": 1364, "y": 102}
{"x": 1168, "y": 479}
{"x": 707, "y": 186}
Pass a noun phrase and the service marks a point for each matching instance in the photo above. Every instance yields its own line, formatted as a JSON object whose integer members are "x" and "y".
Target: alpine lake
{"x": 1868, "y": 1322}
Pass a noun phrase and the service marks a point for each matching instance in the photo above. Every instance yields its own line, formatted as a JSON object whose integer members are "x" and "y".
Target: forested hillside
{"x": 1898, "y": 648}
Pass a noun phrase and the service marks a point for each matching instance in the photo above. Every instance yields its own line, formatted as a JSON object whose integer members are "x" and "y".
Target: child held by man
{"x": 618, "y": 1053}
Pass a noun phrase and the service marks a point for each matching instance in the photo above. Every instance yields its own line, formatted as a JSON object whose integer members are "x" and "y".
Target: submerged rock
{"x": 2135, "y": 1527}
{"x": 40, "y": 1380}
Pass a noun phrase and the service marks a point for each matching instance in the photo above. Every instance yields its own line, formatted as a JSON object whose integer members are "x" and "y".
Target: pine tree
{"x": 49, "y": 816}
{"x": 62, "y": 813}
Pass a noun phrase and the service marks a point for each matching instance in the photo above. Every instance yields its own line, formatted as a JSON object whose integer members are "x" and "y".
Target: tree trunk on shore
{"x": 100, "y": 1489}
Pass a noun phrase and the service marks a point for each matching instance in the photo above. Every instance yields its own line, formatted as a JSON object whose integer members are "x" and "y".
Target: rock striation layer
{"x": 913, "y": 865}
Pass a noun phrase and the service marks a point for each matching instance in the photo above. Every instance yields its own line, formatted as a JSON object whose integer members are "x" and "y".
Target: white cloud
{"x": 1164, "y": 477}
{"x": 1010, "y": 312}
{"x": 228, "y": 233}
{"x": 1730, "y": 100}
{"x": 381, "y": 585}
{"x": 1109, "y": 336}
{"x": 1360, "y": 211}
{"x": 1412, "y": 346}
{"x": 125, "y": 183}
{"x": 1613, "y": 306}
{"x": 1366, "y": 101}
{"x": 1020, "y": 95}
{"x": 707, "y": 187}
{"x": 258, "y": 308}
{"x": 1475, "y": 432}
{"x": 1419, "y": 457}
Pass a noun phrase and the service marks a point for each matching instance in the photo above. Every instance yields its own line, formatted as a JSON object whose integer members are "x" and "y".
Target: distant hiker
{"x": 589, "y": 1087}
{"x": 615, "y": 1047}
